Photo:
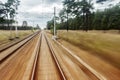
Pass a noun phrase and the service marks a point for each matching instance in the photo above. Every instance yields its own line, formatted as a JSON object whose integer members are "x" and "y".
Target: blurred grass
{"x": 105, "y": 45}
{"x": 5, "y": 35}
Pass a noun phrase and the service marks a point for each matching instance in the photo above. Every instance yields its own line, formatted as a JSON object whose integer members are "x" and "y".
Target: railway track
{"x": 84, "y": 67}
{"x": 52, "y": 68}
{"x": 35, "y": 58}
{"x": 41, "y": 64}
{"x": 71, "y": 69}
{"x": 10, "y": 49}
{"x": 31, "y": 53}
{"x": 18, "y": 59}
{"x": 6, "y": 46}
{"x": 71, "y": 60}
{"x": 62, "y": 75}
{"x": 35, "y": 72}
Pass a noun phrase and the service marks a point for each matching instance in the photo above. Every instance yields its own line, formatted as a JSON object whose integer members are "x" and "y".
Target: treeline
{"x": 80, "y": 15}
{"x": 18, "y": 27}
{"x": 8, "y": 11}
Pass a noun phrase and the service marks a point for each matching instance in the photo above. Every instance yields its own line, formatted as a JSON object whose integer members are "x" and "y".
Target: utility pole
{"x": 67, "y": 21}
{"x": 33, "y": 23}
{"x": 54, "y": 21}
{"x": 67, "y": 18}
{"x": 11, "y": 35}
{"x": 16, "y": 29}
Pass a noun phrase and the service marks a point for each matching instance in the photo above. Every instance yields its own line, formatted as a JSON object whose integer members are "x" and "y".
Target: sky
{"x": 40, "y": 11}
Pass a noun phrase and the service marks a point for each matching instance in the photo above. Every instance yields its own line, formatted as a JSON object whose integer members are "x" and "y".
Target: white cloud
{"x": 3, "y": 1}
{"x": 39, "y": 11}
{"x": 105, "y": 4}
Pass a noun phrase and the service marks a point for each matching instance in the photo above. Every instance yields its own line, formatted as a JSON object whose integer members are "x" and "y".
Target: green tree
{"x": 68, "y": 9}
{"x": 50, "y": 24}
{"x": 86, "y": 7}
{"x": 11, "y": 9}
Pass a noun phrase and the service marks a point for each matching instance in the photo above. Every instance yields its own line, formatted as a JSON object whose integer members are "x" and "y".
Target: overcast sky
{"x": 41, "y": 11}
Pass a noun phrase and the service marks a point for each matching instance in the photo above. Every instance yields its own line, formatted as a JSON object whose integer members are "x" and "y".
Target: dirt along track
{"x": 71, "y": 68}
{"x": 33, "y": 61}
{"x": 90, "y": 65}
{"x": 15, "y": 66}
{"x": 47, "y": 66}
{"x": 7, "y": 45}
{"x": 41, "y": 58}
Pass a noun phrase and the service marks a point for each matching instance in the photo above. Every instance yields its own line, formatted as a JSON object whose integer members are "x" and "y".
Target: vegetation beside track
{"x": 105, "y": 45}
{"x": 5, "y": 35}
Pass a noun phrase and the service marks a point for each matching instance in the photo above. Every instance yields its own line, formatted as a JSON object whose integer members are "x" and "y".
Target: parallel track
{"x": 10, "y": 49}
{"x": 33, "y": 60}
{"x": 62, "y": 75}
{"x": 31, "y": 75}
{"x": 5, "y": 47}
{"x": 35, "y": 65}
{"x": 85, "y": 67}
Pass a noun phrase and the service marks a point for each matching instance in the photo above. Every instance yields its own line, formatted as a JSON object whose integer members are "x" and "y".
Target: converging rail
{"x": 37, "y": 61}
{"x": 8, "y": 50}
{"x": 31, "y": 57}
{"x": 62, "y": 75}
{"x": 14, "y": 43}
{"x": 20, "y": 63}
{"x": 32, "y": 76}
{"x": 85, "y": 67}
{"x": 37, "y": 57}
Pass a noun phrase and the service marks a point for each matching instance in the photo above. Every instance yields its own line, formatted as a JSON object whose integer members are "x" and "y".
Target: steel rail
{"x": 26, "y": 40}
{"x": 79, "y": 60}
{"x": 62, "y": 75}
{"x": 14, "y": 43}
{"x": 36, "y": 59}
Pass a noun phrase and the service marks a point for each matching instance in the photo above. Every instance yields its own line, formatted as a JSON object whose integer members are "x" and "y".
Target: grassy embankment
{"x": 5, "y": 35}
{"x": 105, "y": 45}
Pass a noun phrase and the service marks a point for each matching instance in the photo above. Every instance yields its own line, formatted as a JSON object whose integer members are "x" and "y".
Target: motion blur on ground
{"x": 80, "y": 39}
